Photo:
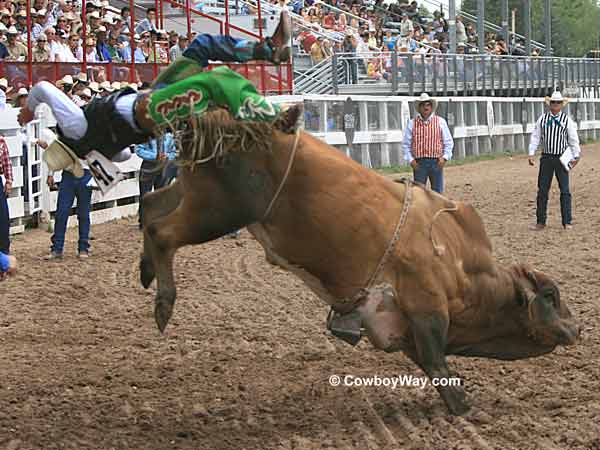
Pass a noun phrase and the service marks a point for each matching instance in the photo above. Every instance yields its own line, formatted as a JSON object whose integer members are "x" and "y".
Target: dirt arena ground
{"x": 246, "y": 359}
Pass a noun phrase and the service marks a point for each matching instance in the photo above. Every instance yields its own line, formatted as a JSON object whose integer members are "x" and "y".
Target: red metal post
{"x": 227, "y": 17}
{"x": 189, "y": 20}
{"x": 84, "y": 37}
{"x": 29, "y": 54}
{"x": 259, "y": 13}
{"x": 131, "y": 40}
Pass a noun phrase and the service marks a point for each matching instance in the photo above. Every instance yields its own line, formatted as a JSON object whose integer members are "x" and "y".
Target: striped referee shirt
{"x": 555, "y": 133}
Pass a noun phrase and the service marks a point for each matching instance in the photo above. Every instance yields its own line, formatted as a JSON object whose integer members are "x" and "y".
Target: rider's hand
{"x": 531, "y": 161}
{"x": 414, "y": 164}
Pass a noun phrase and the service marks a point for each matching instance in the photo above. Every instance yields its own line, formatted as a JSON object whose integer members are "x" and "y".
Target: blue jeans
{"x": 219, "y": 48}
{"x": 150, "y": 178}
{"x": 550, "y": 165}
{"x": 428, "y": 168}
{"x": 4, "y": 221}
{"x": 72, "y": 188}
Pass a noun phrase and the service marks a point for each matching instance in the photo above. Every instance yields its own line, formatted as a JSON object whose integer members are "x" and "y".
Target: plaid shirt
{"x": 5, "y": 166}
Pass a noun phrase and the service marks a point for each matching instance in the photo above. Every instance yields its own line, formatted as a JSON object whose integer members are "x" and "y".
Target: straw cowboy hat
{"x": 556, "y": 97}
{"x": 94, "y": 87}
{"x": 424, "y": 98}
{"x": 4, "y": 85}
{"x": 60, "y": 157}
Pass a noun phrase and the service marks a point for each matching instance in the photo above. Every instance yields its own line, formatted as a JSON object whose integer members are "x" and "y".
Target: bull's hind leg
{"x": 429, "y": 335}
{"x": 157, "y": 204}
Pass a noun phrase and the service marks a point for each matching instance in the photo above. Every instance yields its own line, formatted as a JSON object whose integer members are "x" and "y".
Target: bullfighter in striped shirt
{"x": 557, "y": 132}
{"x": 428, "y": 144}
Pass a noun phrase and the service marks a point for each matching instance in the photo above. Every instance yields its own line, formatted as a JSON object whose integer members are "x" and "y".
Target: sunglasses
{"x": 554, "y": 102}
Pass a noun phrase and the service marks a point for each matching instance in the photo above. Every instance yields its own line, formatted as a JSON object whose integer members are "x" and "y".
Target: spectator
{"x": 126, "y": 16}
{"x": 177, "y": 50}
{"x": 157, "y": 52}
{"x": 70, "y": 188}
{"x": 3, "y": 49}
{"x": 113, "y": 49}
{"x": 406, "y": 27}
{"x": 5, "y": 189}
{"x": 316, "y": 51}
{"x": 329, "y": 21}
{"x": 173, "y": 38}
{"x": 39, "y": 23}
{"x": 389, "y": 41}
{"x": 16, "y": 50}
{"x": 41, "y": 52}
{"x": 147, "y": 24}
{"x": 327, "y": 49}
{"x": 91, "y": 54}
{"x": 21, "y": 97}
{"x": 152, "y": 172}
{"x": 461, "y": 31}
{"x": 137, "y": 51}
{"x": 102, "y": 49}
{"x": 66, "y": 84}
{"x": 76, "y": 50}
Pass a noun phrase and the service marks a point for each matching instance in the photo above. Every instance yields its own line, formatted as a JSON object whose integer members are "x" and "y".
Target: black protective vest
{"x": 108, "y": 132}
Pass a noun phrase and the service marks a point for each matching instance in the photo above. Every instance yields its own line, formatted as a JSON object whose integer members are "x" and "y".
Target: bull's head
{"x": 548, "y": 320}
{"x": 532, "y": 321}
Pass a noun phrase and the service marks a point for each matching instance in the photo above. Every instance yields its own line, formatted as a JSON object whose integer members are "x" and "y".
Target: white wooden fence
{"x": 479, "y": 125}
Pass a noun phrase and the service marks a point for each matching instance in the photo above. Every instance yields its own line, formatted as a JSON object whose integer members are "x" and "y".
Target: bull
{"x": 401, "y": 264}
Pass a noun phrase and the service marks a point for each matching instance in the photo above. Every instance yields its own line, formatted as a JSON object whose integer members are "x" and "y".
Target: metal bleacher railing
{"x": 393, "y": 73}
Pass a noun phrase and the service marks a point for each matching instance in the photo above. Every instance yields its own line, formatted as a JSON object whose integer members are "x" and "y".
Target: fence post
{"x": 411, "y": 74}
{"x": 394, "y": 71}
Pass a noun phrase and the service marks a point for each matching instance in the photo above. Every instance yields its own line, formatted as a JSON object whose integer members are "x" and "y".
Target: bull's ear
{"x": 288, "y": 119}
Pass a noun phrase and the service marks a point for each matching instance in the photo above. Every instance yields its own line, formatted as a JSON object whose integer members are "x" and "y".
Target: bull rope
{"x": 285, "y": 176}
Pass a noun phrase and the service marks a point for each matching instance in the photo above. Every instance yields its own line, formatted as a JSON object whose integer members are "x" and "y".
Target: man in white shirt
{"x": 557, "y": 133}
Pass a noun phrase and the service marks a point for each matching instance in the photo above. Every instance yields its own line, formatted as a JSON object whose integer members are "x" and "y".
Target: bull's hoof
{"x": 146, "y": 272}
{"x": 162, "y": 314}
{"x": 456, "y": 401}
{"x": 347, "y": 327}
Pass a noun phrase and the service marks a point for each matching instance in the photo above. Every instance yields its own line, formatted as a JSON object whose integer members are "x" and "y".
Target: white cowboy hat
{"x": 556, "y": 97}
{"x": 22, "y": 91}
{"x": 94, "y": 87}
{"x": 86, "y": 93}
{"x": 116, "y": 85}
{"x": 60, "y": 157}
{"x": 4, "y": 84}
{"x": 12, "y": 30}
{"x": 106, "y": 86}
{"x": 425, "y": 98}
{"x": 67, "y": 79}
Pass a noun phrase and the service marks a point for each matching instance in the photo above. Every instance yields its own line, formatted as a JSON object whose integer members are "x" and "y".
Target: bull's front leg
{"x": 157, "y": 204}
{"x": 429, "y": 332}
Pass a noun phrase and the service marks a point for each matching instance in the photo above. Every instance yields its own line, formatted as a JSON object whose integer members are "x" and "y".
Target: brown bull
{"x": 412, "y": 269}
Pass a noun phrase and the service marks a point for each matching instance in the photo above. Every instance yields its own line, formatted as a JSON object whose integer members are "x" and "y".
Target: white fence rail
{"x": 480, "y": 125}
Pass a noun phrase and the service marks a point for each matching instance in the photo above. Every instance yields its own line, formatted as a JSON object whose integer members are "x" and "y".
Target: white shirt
{"x": 572, "y": 138}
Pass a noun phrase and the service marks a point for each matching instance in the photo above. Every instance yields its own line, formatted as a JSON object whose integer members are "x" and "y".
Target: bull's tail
{"x": 439, "y": 250}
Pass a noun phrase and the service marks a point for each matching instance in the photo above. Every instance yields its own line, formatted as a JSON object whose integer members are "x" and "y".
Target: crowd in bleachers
{"x": 371, "y": 29}
{"x": 57, "y": 33}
